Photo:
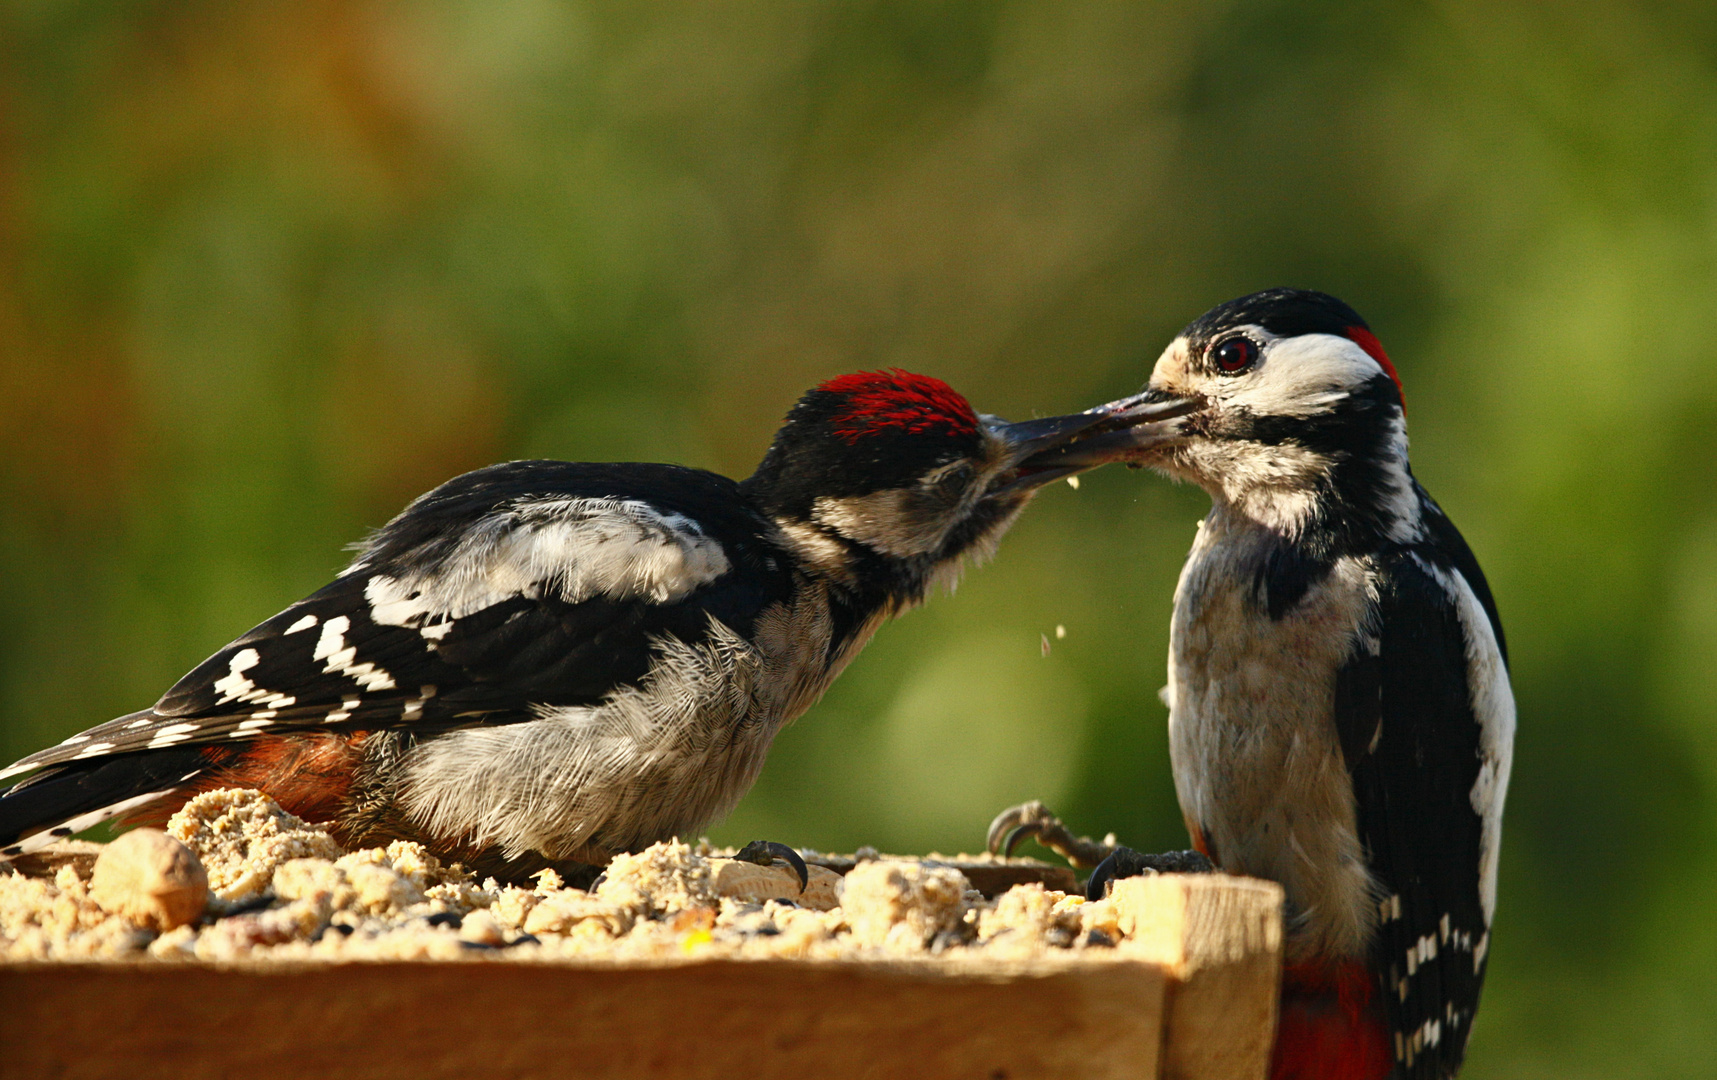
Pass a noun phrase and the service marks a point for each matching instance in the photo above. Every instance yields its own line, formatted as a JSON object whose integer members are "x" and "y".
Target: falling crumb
{"x": 1073, "y": 482}
{"x": 1043, "y": 643}
{"x": 1060, "y": 631}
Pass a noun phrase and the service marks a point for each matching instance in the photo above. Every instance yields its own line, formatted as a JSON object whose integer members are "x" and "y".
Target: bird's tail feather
{"x": 62, "y": 800}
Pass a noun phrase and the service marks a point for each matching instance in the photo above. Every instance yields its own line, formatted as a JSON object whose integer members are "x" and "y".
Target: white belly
{"x": 655, "y": 761}
{"x": 1257, "y": 759}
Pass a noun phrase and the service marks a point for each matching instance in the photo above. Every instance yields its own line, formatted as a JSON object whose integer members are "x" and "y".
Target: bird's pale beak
{"x": 1057, "y": 446}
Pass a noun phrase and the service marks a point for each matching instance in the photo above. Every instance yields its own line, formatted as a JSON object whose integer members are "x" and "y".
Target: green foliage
{"x": 269, "y": 270}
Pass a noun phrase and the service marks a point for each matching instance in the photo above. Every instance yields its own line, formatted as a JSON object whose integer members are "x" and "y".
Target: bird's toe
{"x": 765, "y": 852}
{"x": 1124, "y": 862}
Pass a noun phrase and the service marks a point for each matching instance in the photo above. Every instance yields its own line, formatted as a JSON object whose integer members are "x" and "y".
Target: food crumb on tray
{"x": 274, "y": 887}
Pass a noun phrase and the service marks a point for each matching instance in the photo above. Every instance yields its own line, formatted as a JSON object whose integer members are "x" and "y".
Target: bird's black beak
{"x": 1054, "y": 447}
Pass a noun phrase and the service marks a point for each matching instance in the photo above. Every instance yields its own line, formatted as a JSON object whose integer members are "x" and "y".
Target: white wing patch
{"x": 332, "y": 647}
{"x": 570, "y": 548}
{"x": 1493, "y": 706}
{"x": 234, "y": 685}
{"x": 170, "y": 734}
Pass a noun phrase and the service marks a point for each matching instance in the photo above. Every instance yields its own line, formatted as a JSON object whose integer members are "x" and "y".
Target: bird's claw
{"x": 765, "y": 852}
{"x": 1124, "y": 862}
{"x": 1033, "y": 819}
{"x": 1015, "y": 824}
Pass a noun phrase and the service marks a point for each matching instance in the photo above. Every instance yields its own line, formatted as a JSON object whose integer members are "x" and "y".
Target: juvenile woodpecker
{"x": 1340, "y": 719}
{"x": 545, "y": 663}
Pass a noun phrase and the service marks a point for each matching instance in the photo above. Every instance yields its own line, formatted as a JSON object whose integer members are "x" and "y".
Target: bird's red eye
{"x": 1235, "y": 355}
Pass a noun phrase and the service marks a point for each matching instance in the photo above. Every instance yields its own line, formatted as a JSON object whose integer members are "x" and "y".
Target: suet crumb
{"x": 282, "y": 889}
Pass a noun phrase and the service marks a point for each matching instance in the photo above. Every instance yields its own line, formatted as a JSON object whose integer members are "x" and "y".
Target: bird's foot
{"x": 1124, "y": 862}
{"x": 1033, "y": 819}
{"x": 765, "y": 852}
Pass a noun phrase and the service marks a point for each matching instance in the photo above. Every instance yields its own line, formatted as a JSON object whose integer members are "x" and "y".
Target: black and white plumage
{"x": 1339, "y": 706}
{"x": 542, "y": 663}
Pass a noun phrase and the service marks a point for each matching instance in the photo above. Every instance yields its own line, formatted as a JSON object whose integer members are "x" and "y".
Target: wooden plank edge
{"x": 1219, "y": 939}
{"x": 718, "y": 1018}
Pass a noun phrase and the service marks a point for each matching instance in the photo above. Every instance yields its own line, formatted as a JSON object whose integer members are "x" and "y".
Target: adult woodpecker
{"x": 546, "y": 663}
{"x": 1340, "y": 716}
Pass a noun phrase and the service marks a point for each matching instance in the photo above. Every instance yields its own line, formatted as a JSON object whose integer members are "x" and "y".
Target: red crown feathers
{"x": 1366, "y": 340}
{"x": 917, "y": 404}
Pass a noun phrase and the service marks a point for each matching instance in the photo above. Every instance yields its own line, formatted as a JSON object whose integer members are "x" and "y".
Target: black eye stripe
{"x": 1233, "y": 355}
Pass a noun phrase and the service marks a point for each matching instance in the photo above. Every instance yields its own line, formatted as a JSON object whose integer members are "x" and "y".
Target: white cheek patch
{"x": 1304, "y": 376}
{"x": 893, "y": 522}
{"x": 1300, "y": 377}
{"x": 817, "y": 548}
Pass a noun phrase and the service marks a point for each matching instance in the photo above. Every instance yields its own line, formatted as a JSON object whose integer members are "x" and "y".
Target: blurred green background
{"x": 268, "y": 270}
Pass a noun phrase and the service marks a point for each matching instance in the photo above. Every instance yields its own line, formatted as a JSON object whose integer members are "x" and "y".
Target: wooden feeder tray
{"x": 1190, "y": 993}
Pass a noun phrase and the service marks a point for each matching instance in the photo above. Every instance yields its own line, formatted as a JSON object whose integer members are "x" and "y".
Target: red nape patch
{"x": 1366, "y": 340}
{"x": 1332, "y": 1025}
{"x": 917, "y": 404}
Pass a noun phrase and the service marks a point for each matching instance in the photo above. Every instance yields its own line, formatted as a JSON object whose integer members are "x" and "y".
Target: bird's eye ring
{"x": 951, "y": 478}
{"x": 1235, "y": 355}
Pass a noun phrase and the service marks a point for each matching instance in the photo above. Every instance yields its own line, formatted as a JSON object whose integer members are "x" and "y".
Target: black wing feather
{"x": 1405, "y": 714}
{"x": 491, "y": 665}
{"x": 1447, "y": 543}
